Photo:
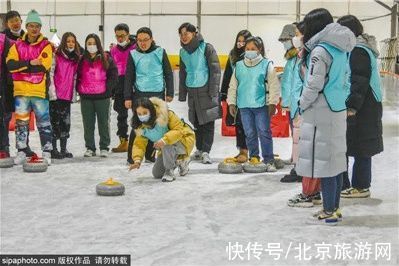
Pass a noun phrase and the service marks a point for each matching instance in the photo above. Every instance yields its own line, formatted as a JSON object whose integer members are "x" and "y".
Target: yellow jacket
{"x": 178, "y": 131}
{"x": 15, "y": 65}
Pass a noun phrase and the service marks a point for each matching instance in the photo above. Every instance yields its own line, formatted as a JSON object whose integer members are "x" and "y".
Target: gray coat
{"x": 202, "y": 102}
{"x": 322, "y": 143}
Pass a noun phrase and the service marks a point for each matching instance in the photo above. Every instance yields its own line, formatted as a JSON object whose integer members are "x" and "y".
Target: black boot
{"x": 64, "y": 151}
{"x": 55, "y": 154}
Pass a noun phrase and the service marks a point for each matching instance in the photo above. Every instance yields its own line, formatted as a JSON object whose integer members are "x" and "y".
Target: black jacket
{"x": 130, "y": 77}
{"x": 364, "y": 130}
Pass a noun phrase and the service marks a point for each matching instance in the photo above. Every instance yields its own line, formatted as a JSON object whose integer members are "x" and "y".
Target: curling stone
{"x": 5, "y": 160}
{"x": 230, "y": 166}
{"x": 110, "y": 188}
{"x": 278, "y": 163}
{"x": 35, "y": 165}
{"x": 255, "y": 167}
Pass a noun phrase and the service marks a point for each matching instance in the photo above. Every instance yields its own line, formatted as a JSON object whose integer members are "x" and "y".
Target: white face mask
{"x": 123, "y": 44}
{"x": 92, "y": 49}
{"x": 297, "y": 41}
{"x": 287, "y": 45}
{"x": 70, "y": 49}
{"x": 18, "y": 33}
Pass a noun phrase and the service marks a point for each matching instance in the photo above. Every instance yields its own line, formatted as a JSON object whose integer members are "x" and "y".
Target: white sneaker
{"x": 205, "y": 158}
{"x": 197, "y": 156}
{"x": 270, "y": 167}
{"x": 183, "y": 166}
{"x": 47, "y": 157}
{"x": 169, "y": 176}
{"x": 104, "y": 153}
{"x": 89, "y": 153}
{"x": 20, "y": 158}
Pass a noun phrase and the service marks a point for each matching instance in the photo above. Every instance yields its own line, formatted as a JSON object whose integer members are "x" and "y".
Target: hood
{"x": 336, "y": 35}
{"x": 369, "y": 41}
{"x": 193, "y": 45}
{"x": 161, "y": 109}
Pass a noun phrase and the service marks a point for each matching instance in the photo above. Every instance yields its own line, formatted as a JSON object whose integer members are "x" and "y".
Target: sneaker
{"x": 197, "y": 156}
{"x": 337, "y": 213}
{"x": 301, "y": 201}
{"x": 55, "y": 154}
{"x": 169, "y": 176}
{"x": 183, "y": 166}
{"x": 326, "y": 218}
{"x": 66, "y": 154}
{"x": 29, "y": 152}
{"x": 289, "y": 179}
{"x": 20, "y": 158}
{"x": 104, "y": 153}
{"x": 316, "y": 199}
{"x": 89, "y": 153}
{"x": 270, "y": 167}
{"x": 205, "y": 158}
{"x": 355, "y": 193}
{"x": 46, "y": 155}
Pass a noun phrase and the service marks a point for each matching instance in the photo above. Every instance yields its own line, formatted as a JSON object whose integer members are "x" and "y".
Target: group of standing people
{"x": 330, "y": 86}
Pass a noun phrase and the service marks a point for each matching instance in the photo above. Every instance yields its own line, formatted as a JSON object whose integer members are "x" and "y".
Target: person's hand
{"x": 272, "y": 110}
{"x": 35, "y": 62}
{"x": 128, "y": 104}
{"x": 133, "y": 166}
{"x": 287, "y": 109}
{"x": 169, "y": 99}
{"x": 159, "y": 144}
{"x": 232, "y": 110}
{"x": 351, "y": 112}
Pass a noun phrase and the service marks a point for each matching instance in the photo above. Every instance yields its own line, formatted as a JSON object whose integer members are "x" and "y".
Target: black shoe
{"x": 299, "y": 180}
{"x": 66, "y": 154}
{"x": 293, "y": 172}
{"x": 55, "y": 154}
{"x": 29, "y": 152}
{"x": 150, "y": 160}
{"x": 289, "y": 179}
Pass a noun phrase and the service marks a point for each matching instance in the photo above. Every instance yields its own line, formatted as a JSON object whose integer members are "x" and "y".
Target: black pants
{"x": 149, "y": 152}
{"x": 5, "y": 124}
{"x": 361, "y": 174}
{"x": 119, "y": 107}
{"x": 204, "y": 135}
{"x": 60, "y": 118}
{"x": 240, "y": 133}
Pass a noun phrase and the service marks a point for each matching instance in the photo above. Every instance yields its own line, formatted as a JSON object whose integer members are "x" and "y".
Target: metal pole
{"x": 199, "y": 11}
{"x": 8, "y": 5}
{"x": 102, "y": 22}
{"x": 298, "y": 10}
{"x": 394, "y": 21}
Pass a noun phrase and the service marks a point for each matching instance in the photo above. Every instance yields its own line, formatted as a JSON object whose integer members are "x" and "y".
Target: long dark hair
{"x": 237, "y": 52}
{"x": 63, "y": 46}
{"x": 100, "y": 52}
{"x": 353, "y": 23}
{"x": 147, "y": 104}
{"x": 258, "y": 43}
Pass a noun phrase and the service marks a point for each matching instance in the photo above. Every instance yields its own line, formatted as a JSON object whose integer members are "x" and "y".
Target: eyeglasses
{"x": 120, "y": 36}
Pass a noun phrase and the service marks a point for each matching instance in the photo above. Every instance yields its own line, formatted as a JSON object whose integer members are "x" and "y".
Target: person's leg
{"x": 208, "y": 133}
{"x": 262, "y": 123}
{"x": 150, "y": 151}
{"x": 65, "y": 129}
{"x": 329, "y": 192}
{"x": 119, "y": 107}
{"x": 89, "y": 121}
{"x": 338, "y": 190}
{"x": 158, "y": 170}
{"x": 240, "y": 134}
{"x": 41, "y": 109}
{"x": 6, "y": 124}
{"x": 169, "y": 157}
{"x": 102, "y": 108}
{"x": 345, "y": 176}
{"x": 130, "y": 147}
{"x": 198, "y": 134}
{"x": 22, "y": 116}
{"x": 361, "y": 176}
{"x": 248, "y": 121}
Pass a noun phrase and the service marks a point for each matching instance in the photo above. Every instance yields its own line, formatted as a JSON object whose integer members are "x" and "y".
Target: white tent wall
{"x": 83, "y": 17}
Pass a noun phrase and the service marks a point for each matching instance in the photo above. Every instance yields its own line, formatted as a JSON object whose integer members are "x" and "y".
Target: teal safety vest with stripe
{"x": 149, "y": 70}
{"x": 251, "y": 91}
{"x": 156, "y": 133}
{"x": 297, "y": 85}
{"x": 335, "y": 90}
{"x": 196, "y": 67}
{"x": 287, "y": 81}
{"x": 375, "y": 81}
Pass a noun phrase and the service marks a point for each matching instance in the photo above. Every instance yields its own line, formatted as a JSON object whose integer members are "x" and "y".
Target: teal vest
{"x": 287, "y": 81}
{"x": 251, "y": 91}
{"x": 375, "y": 82}
{"x": 335, "y": 90}
{"x": 297, "y": 85}
{"x": 156, "y": 133}
{"x": 196, "y": 67}
{"x": 149, "y": 70}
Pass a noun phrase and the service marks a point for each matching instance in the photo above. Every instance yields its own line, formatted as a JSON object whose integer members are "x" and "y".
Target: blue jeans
{"x": 256, "y": 123}
{"x": 23, "y": 107}
{"x": 331, "y": 191}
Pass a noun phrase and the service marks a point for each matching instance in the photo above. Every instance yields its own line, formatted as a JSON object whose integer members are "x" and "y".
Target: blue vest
{"x": 156, "y": 133}
{"x": 251, "y": 91}
{"x": 196, "y": 67}
{"x": 375, "y": 82}
{"x": 287, "y": 81}
{"x": 149, "y": 70}
{"x": 335, "y": 90}
{"x": 297, "y": 85}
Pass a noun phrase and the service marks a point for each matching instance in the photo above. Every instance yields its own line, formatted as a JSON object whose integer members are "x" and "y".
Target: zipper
{"x": 313, "y": 149}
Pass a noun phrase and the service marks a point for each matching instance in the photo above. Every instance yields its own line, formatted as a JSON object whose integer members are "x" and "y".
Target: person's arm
{"x": 286, "y": 83}
{"x": 130, "y": 78}
{"x": 176, "y": 128}
{"x": 182, "y": 81}
{"x": 168, "y": 75}
{"x": 360, "y": 65}
{"x": 232, "y": 94}
{"x": 272, "y": 85}
{"x": 320, "y": 62}
{"x": 228, "y": 71}
{"x": 112, "y": 75}
{"x": 139, "y": 147}
{"x": 214, "y": 70}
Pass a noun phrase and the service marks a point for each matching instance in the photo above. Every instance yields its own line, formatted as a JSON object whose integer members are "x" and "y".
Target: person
{"x": 364, "y": 115}
{"x": 236, "y": 54}
{"x": 13, "y": 32}
{"x": 148, "y": 74}
{"x": 120, "y": 54}
{"x": 96, "y": 78}
{"x": 287, "y": 85}
{"x": 29, "y": 60}
{"x": 199, "y": 78}
{"x": 172, "y": 137}
{"x": 255, "y": 91}
{"x": 63, "y": 93}
{"x": 322, "y": 105}
{"x": 4, "y": 48}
